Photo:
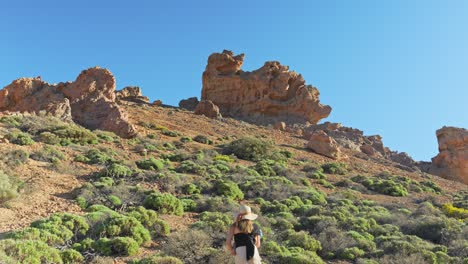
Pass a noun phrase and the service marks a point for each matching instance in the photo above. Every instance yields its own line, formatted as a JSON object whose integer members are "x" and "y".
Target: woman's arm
{"x": 257, "y": 241}
{"x": 229, "y": 237}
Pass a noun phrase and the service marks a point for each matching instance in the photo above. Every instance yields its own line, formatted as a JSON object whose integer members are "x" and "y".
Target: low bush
{"x": 116, "y": 170}
{"x": 228, "y": 189}
{"x": 383, "y": 186}
{"x": 335, "y": 168}
{"x": 94, "y": 156}
{"x": 48, "y": 154}
{"x": 158, "y": 260}
{"x": 252, "y": 149}
{"x": 164, "y": 203}
{"x": 456, "y": 212}
{"x": 203, "y": 139}
{"x": 16, "y": 157}
{"x": 150, "y": 164}
{"x": 20, "y": 138}
{"x": 8, "y": 187}
{"x": 192, "y": 246}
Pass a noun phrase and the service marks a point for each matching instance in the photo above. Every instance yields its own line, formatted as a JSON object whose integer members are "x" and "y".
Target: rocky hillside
{"x": 91, "y": 175}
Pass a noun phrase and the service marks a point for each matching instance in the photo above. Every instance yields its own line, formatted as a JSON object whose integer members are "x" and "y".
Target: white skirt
{"x": 241, "y": 256}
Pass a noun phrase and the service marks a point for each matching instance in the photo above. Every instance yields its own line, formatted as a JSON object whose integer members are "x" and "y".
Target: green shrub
{"x": 159, "y": 260}
{"x": 116, "y": 170}
{"x": 264, "y": 168}
{"x": 170, "y": 133}
{"x": 150, "y": 220}
{"x": 203, "y": 139}
{"x": 49, "y": 138}
{"x": 335, "y": 168}
{"x": 93, "y": 156}
{"x": 115, "y": 201}
{"x": 228, "y": 189}
{"x": 150, "y": 164}
{"x": 188, "y": 166}
{"x": 225, "y": 158}
{"x": 186, "y": 139}
{"x": 48, "y": 154}
{"x": 164, "y": 203}
{"x": 126, "y": 246}
{"x": 383, "y": 186}
{"x": 318, "y": 174}
{"x": 303, "y": 240}
{"x": 191, "y": 189}
{"x": 216, "y": 221}
{"x": 71, "y": 256}
{"x": 351, "y": 253}
{"x": 123, "y": 226}
{"x": 8, "y": 187}
{"x": 251, "y": 149}
{"x": 30, "y": 251}
{"x": 300, "y": 256}
{"x": 20, "y": 138}
{"x": 16, "y": 157}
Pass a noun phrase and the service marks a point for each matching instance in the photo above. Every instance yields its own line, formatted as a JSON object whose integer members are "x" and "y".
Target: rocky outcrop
{"x": 132, "y": 94}
{"x": 452, "y": 160}
{"x": 208, "y": 109}
{"x": 89, "y": 101}
{"x": 34, "y": 95}
{"x": 268, "y": 95}
{"x": 322, "y": 144}
{"x": 355, "y": 140}
{"x": 189, "y": 103}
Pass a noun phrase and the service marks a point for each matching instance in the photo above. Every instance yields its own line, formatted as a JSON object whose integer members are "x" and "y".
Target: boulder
{"x": 89, "y": 101}
{"x": 34, "y": 95}
{"x": 452, "y": 160}
{"x": 189, "y": 103}
{"x": 132, "y": 94}
{"x": 323, "y": 144}
{"x": 280, "y": 126}
{"x": 265, "y": 96}
{"x": 208, "y": 109}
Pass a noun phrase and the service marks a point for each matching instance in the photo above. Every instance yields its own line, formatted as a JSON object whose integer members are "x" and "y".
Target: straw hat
{"x": 245, "y": 212}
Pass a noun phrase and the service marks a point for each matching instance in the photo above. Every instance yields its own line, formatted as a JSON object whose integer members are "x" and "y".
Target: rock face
{"x": 452, "y": 160}
{"x": 323, "y": 144}
{"x": 132, "y": 94}
{"x": 208, "y": 109}
{"x": 268, "y": 95}
{"x": 34, "y": 95}
{"x": 89, "y": 101}
{"x": 189, "y": 103}
{"x": 355, "y": 140}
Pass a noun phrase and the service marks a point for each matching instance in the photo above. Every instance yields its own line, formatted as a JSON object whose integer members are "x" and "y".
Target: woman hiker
{"x": 246, "y": 237}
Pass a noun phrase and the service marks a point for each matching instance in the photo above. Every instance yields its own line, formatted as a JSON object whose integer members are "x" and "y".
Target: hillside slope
{"x": 172, "y": 190}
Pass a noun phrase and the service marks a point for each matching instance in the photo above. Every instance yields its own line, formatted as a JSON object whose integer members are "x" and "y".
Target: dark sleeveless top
{"x": 247, "y": 240}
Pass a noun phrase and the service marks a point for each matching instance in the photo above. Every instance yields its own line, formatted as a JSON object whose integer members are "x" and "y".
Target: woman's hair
{"x": 245, "y": 226}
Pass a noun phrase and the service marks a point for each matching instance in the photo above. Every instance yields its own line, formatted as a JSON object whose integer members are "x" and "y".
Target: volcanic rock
{"x": 268, "y": 95}
{"x": 34, "y": 95}
{"x": 323, "y": 144}
{"x": 189, "y": 103}
{"x": 208, "y": 109}
{"x": 89, "y": 100}
{"x": 280, "y": 126}
{"x": 132, "y": 94}
{"x": 452, "y": 160}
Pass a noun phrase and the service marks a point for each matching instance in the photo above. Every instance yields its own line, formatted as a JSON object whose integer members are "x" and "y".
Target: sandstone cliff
{"x": 452, "y": 160}
{"x": 268, "y": 95}
{"x": 89, "y": 101}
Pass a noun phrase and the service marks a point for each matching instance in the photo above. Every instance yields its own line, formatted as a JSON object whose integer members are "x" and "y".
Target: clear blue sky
{"x": 394, "y": 68}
